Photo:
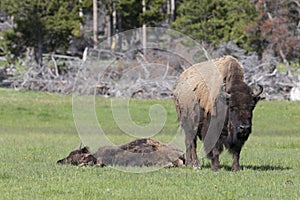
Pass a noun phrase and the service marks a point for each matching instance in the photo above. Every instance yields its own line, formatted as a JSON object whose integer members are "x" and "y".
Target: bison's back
{"x": 200, "y": 84}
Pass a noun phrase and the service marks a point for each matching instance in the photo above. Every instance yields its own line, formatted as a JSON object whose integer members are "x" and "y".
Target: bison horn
{"x": 256, "y": 94}
{"x": 223, "y": 93}
{"x": 79, "y": 147}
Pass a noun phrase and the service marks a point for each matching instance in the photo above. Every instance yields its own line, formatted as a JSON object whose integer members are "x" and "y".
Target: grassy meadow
{"x": 37, "y": 129}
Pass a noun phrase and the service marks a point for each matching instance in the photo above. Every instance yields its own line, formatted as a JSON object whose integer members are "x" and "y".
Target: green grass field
{"x": 37, "y": 129}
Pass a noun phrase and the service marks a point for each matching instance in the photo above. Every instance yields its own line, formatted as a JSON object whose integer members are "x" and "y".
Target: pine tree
{"x": 43, "y": 25}
{"x": 133, "y": 17}
{"x": 215, "y": 21}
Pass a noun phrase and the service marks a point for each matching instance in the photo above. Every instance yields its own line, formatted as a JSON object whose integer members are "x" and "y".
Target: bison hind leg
{"x": 189, "y": 120}
{"x": 191, "y": 151}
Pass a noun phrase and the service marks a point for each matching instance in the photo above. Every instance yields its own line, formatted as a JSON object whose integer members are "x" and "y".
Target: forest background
{"x": 269, "y": 28}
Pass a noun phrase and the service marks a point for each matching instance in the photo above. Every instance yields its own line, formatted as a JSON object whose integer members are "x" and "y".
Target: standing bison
{"x": 197, "y": 95}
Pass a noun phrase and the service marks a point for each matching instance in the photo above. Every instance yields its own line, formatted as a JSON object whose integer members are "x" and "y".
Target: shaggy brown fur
{"x": 205, "y": 79}
{"x": 140, "y": 152}
{"x": 196, "y": 92}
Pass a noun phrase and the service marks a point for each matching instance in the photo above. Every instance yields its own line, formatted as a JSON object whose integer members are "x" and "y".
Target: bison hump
{"x": 198, "y": 84}
{"x": 201, "y": 83}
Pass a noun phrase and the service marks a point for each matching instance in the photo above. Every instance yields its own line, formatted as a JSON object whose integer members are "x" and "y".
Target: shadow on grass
{"x": 259, "y": 167}
{"x": 265, "y": 167}
{"x": 252, "y": 167}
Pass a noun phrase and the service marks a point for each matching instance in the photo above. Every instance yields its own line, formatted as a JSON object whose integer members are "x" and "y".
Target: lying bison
{"x": 140, "y": 152}
{"x": 196, "y": 93}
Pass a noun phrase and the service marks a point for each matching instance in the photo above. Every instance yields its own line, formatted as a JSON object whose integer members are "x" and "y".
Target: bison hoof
{"x": 197, "y": 167}
{"x": 178, "y": 163}
{"x": 235, "y": 168}
{"x": 215, "y": 169}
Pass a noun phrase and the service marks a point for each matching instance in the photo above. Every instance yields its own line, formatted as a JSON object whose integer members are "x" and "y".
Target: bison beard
{"x": 198, "y": 102}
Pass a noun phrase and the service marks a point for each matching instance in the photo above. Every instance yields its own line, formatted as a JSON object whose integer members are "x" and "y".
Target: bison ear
{"x": 79, "y": 147}
{"x": 256, "y": 92}
{"x": 85, "y": 150}
{"x": 257, "y": 99}
{"x": 223, "y": 92}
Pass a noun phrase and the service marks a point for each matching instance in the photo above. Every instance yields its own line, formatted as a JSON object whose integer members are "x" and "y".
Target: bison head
{"x": 241, "y": 100}
{"x": 78, "y": 157}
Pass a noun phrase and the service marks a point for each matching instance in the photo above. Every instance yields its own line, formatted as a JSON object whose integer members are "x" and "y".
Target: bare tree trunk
{"x": 172, "y": 10}
{"x": 287, "y": 64}
{"x": 119, "y": 26}
{"x": 144, "y": 40}
{"x": 108, "y": 29}
{"x": 80, "y": 9}
{"x": 111, "y": 27}
{"x": 80, "y": 14}
{"x": 114, "y": 27}
{"x": 114, "y": 20}
{"x": 38, "y": 50}
{"x": 298, "y": 30}
{"x": 95, "y": 22}
{"x": 169, "y": 11}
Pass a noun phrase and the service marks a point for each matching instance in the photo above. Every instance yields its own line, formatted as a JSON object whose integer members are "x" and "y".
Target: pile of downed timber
{"x": 277, "y": 85}
{"x": 149, "y": 76}
{"x": 57, "y": 75}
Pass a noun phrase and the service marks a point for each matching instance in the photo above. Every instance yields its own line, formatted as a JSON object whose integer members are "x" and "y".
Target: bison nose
{"x": 60, "y": 161}
{"x": 245, "y": 128}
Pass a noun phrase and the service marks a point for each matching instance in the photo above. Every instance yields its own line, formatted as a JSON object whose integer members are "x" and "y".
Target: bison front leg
{"x": 235, "y": 150}
{"x": 214, "y": 157}
{"x": 215, "y": 164}
{"x": 214, "y": 154}
{"x": 236, "y": 162}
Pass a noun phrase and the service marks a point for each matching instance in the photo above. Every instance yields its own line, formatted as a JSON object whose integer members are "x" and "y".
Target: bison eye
{"x": 233, "y": 108}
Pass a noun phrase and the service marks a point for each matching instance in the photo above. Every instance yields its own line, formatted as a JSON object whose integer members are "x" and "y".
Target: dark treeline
{"x": 263, "y": 26}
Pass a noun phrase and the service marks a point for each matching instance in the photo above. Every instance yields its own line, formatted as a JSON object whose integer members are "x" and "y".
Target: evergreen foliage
{"x": 216, "y": 21}
{"x": 257, "y": 25}
{"x": 44, "y": 26}
{"x": 131, "y": 13}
